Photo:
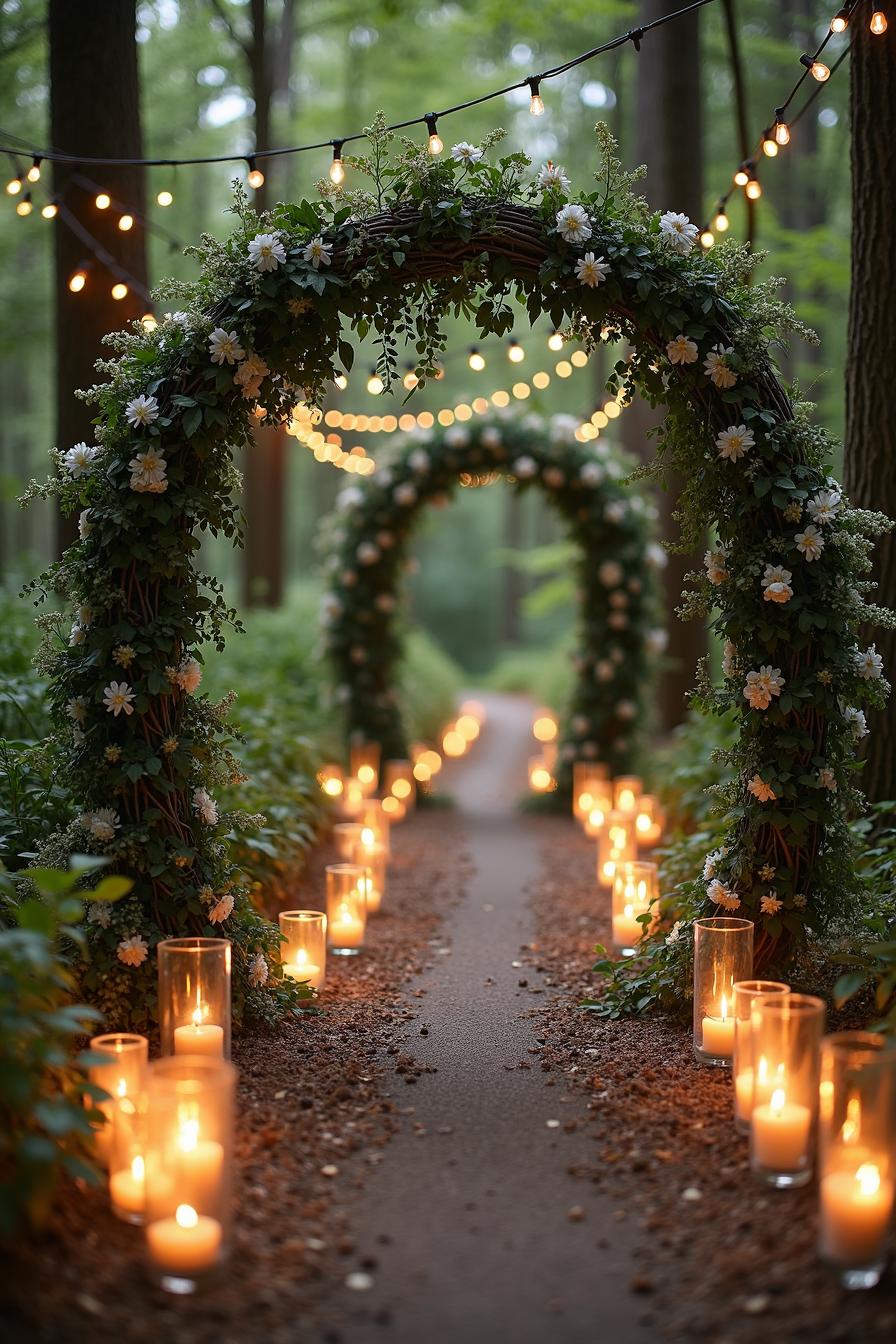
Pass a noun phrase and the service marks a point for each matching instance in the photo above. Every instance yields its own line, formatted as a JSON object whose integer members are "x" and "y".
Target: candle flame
{"x": 198, "y": 1015}
{"x": 332, "y": 787}
{"x": 762, "y": 1071}
{"x": 724, "y": 1007}
{"x": 368, "y": 837}
{"x": 586, "y": 802}
{"x": 778, "y": 1099}
{"x": 138, "y": 1170}
{"x": 629, "y": 912}
{"x": 366, "y": 774}
{"x": 188, "y": 1136}
{"x": 852, "y": 1125}
{"x": 186, "y": 1216}
{"x": 868, "y": 1177}
{"x": 643, "y": 822}
{"x": 122, "y": 1087}
{"x": 301, "y": 957}
{"x": 596, "y": 817}
{"x": 626, "y": 800}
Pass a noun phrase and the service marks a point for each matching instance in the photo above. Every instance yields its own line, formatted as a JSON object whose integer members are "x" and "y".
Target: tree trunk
{"x": 669, "y": 138}
{"x": 870, "y": 458}
{"x": 94, "y": 109}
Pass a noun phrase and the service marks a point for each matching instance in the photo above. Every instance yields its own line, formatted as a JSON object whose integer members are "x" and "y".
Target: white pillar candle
{"x": 199, "y": 1039}
{"x": 626, "y": 929}
{"x": 718, "y": 1032}
{"x": 780, "y": 1132}
{"x": 856, "y": 1207}
{"x": 127, "y": 1189}
{"x": 750, "y": 1092}
{"x": 186, "y": 1244}
{"x": 346, "y": 929}
{"x": 303, "y": 968}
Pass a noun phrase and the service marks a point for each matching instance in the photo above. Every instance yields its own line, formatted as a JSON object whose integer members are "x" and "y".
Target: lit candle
{"x": 186, "y": 1244}
{"x": 780, "y": 1131}
{"x": 127, "y": 1189}
{"x": 748, "y": 1093}
{"x": 199, "y": 1164}
{"x": 346, "y": 929}
{"x": 626, "y": 929}
{"x": 303, "y": 968}
{"x": 718, "y": 1032}
{"x": 855, "y": 1214}
{"x": 199, "y": 1038}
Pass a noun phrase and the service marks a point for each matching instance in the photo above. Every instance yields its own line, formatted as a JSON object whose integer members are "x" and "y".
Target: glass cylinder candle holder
{"x": 331, "y": 781}
{"x": 626, "y": 794}
{"x": 127, "y": 1157}
{"x": 635, "y": 888}
{"x": 540, "y": 778}
{"x": 352, "y": 798}
{"x": 586, "y": 776}
{"x": 346, "y": 908}
{"x": 364, "y": 765}
{"x": 648, "y": 821}
{"x": 346, "y": 835}
{"x": 194, "y": 996}
{"x": 375, "y": 826}
{"x": 303, "y": 955}
{"x": 398, "y": 780}
{"x": 372, "y": 860}
{"x": 723, "y": 954}
{"x": 394, "y": 808}
{"x": 615, "y": 844}
{"x": 856, "y": 1156}
{"x": 746, "y": 993}
{"x": 785, "y": 1031}
{"x": 119, "y": 1069}
{"x": 189, "y": 1159}
{"x": 601, "y": 806}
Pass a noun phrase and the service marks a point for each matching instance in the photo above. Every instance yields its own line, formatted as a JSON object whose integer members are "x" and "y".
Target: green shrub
{"x": 44, "y": 1125}
{"x": 430, "y": 683}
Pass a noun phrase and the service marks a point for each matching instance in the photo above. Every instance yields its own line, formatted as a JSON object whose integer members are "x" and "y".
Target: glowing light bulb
{"x": 25, "y": 205}
{"x": 555, "y": 341}
{"x": 34, "y": 171}
{"x": 720, "y": 223}
{"x": 410, "y": 379}
{"x": 742, "y": 176}
{"x": 840, "y": 21}
{"x": 536, "y": 103}
{"x": 165, "y": 198}
{"x": 476, "y": 360}
{"x": 375, "y": 384}
{"x": 77, "y": 281}
{"x": 50, "y": 210}
{"x": 753, "y": 188}
{"x": 125, "y": 223}
{"x": 337, "y": 167}
{"x": 103, "y": 200}
{"x": 707, "y": 239}
{"x": 817, "y": 69}
{"x": 341, "y": 381}
{"x": 769, "y": 145}
{"x": 436, "y": 143}
{"x": 14, "y": 185}
{"x": 256, "y": 176}
{"x": 149, "y": 322}
{"x": 878, "y": 24}
{"x": 119, "y": 290}
{"x": 515, "y": 352}
{"x": 782, "y": 133}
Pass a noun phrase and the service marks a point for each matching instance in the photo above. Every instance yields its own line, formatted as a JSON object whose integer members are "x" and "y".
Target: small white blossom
{"x": 418, "y": 461}
{"x": 117, "y": 698}
{"x": 205, "y": 807}
{"x": 258, "y": 971}
{"x": 76, "y": 709}
{"x": 678, "y": 232}
{"x": 657, "y": 640}
{"x": 85, "y": 526}
{"x": 224, "y": 347}
{"x": 266, "y": 252}
{"x": 221, "y": 910}
{"x": 101, "y": 823}
{"x": 716, "y": 366}
{"x": 148, "y": 473}
{"x": 457, "y": 436}
{"x": 591, "y": 473}
{"x": 592, "y": 270}
{"x": 869, "y": 664}
{"x": 141, "y": 411}
{"x": 615, "y": 511}
{"x": 133, "y": 951}
{"x": 674, "y": 934}
{"x": 573, "y": 224}
{"x": 405, "y": 494}
{"x": 776, "y": 584}
{"x": 367, "y": 553}
{"x": 722, "y": 895}
{"x": 552, "y": 177}
{"x": 188, "y": 675}
{"x": 79, "y": 460}
{"x": 656, "y": 555}
{"x": 318, "y": 253}
{"x": 711, "y": 863}
{"x": 99, "y": 912}
{"x": 826, "y": 779}
{"x": 681, "y": 350}
{"x": 77, "y": 635}
{"x": 715, "y": 561}
{"x": 464, "y": 152}
{"x": 734, "y": 442}
{"x": 824, "y": 507}
{"x": 810, "y": 542}
{"x": 858, "y": 725}
{"x": 762, "y": 792}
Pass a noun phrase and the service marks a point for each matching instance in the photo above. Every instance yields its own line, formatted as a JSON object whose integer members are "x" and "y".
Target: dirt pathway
{"x": 472, "y": 1227}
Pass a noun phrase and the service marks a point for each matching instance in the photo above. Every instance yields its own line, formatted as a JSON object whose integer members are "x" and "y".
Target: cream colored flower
{"x": 85, "y": 526}
{"x": 592, "y": 270}
{"x": 464, "y": 152}
{"x": 715, "y": 561}
{"x": 824, "y": 507}
{"x": 188, "y": 675}
{"x": 99, "y": 912}
{"x": 729, "y": 653}
{"x": 857, "y": 723}
{"x": 317, "y": 252}
{"x": 573, "y": 224}
{"x": 761, "y": 686}
{"x": 117, "y": 698}
{"x": 148, "y": 473}
{"x": 133, "y": 951}
{"x": 224, "y": 347}
{"x": 266, "y": 252}
{"x": 78, "y": 461}
{"x": 810, "y": 542}
{"x": 678, "y": 232}
{"x": 123, "y": 655}
{"x": 826, "y": 779}
{"x": 258, "y": 971}
{"x": 76, "y": 709}
{"x": 141, "y": 411}
{"x": 767, "y": 872}
{"x": 299, "y": 306}
{"x": 762, "y": 792}
{"x": 869, "y": 664}
{"x": 734, "y": 442}
{"x": 221, "y": 910}
{"x": 250, "y": 374}
{"x": 716, "y": 366}
{"x": 551, "y": 177}
{"x": 770, "y": 904}
{"x": 205, "y": 807}
{"x": 776, "y": 584}
{"x": 722, "y": 895}
{"x": 681, "y": 350}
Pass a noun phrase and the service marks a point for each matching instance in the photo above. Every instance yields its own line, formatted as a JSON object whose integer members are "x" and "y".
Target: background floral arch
{"x": 268, "y": 321}
{"x": 367, "y": 550}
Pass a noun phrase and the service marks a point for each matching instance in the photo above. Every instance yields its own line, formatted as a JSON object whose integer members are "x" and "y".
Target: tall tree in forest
{"x": 669, "y": 138}
{"x": 870, "y": 459}
{"x": 94, "y": 110}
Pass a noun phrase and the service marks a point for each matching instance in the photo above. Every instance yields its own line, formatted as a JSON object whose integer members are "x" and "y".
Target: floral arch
{"x": 607, "y": 520}
{"x": 141, "y": 747}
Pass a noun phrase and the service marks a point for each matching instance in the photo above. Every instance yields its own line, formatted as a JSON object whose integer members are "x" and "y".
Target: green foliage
{"x": 871, "y": 958}
{"x": 429, "y": 683}
{"x": 44, "y": 1123}
{"x": 545, "y": 674}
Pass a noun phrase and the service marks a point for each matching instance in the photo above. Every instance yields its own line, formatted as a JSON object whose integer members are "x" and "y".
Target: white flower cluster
{"x": 716, "y": 563}
{"x": 102, "y": 823}
{"x": 776, "y": 584}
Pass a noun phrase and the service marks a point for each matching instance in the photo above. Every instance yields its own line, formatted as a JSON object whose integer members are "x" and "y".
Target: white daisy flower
{"x": 858, "y": 725}
{"x": 79, "y": 460}
{"x": 464, "y": 152}
{"x": 824, "y": 507}
{"x": 869, "y": 664}
{"x": 592, "y": 270}
{"x": 205, "y": 807}
{"x": 551, "y": 177}
{"x": 810, "y": 542}
{"x": 318, "y": 253}
{"x": 76, "y": 709}
{"x": 224, "y": 347}
{"x": 573, "y": 224}
{"x": 141, "y": 411}
{"x": 77, "y": 635}
{"x": 148, "y": 473}
{"x": 681, "y": 350}
{"x": 117, "y": 698}
{"x": 258, "y": 971}
{"x": 678, "y": 232}
{"x": 101, "y": 823}
{"x": 716, "y": 366}
{"x": 133, "y": 951}
{"x": 266, "y": 252}
{"x": 734, "y": 442}
{"x": 762, "y": 686}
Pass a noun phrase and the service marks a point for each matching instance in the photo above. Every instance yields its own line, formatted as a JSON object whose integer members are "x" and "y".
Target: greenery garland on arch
{"x": 366, "y": 547}
{"x": 270, "y": 314}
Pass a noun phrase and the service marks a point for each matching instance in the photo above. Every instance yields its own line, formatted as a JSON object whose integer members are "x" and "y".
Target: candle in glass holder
{"x": 194, "y": 996}
{"x": 375, "y": 825}
{"x": 601, "y": 808}
{"x": 394, "y": 809}
{"x": 331, "y": 781}
{"x": 184, "y": 1246}
{"x": 126, "y": 1157}
{"x": 540, "y": 778}
{"x": 544, "y": 726}
{"x": 857, "y": 1117}
{"x": 785, "y": 1031}
{"x": 746, "y": 1085}
{"x": 364, "y": 765}
{"x": 615, "y": 844}
{"x": 345, "y": 837}
{"x": 648, "y": 821}
{"x": 346, "y": 908}
{"x": 723, "y": 954}
{"x": 634, "y": 891}
{"x": 119, "y": 1064}
{"x": 127, "y": 1191}
{"x": 352, "y": 798}
{"x": 398, "y": 780}
{"x": 372, "y": 860}
{"x": 626, "y": 793}
{"x": 587, "y": 779}
{"x": 303, "y": 954}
